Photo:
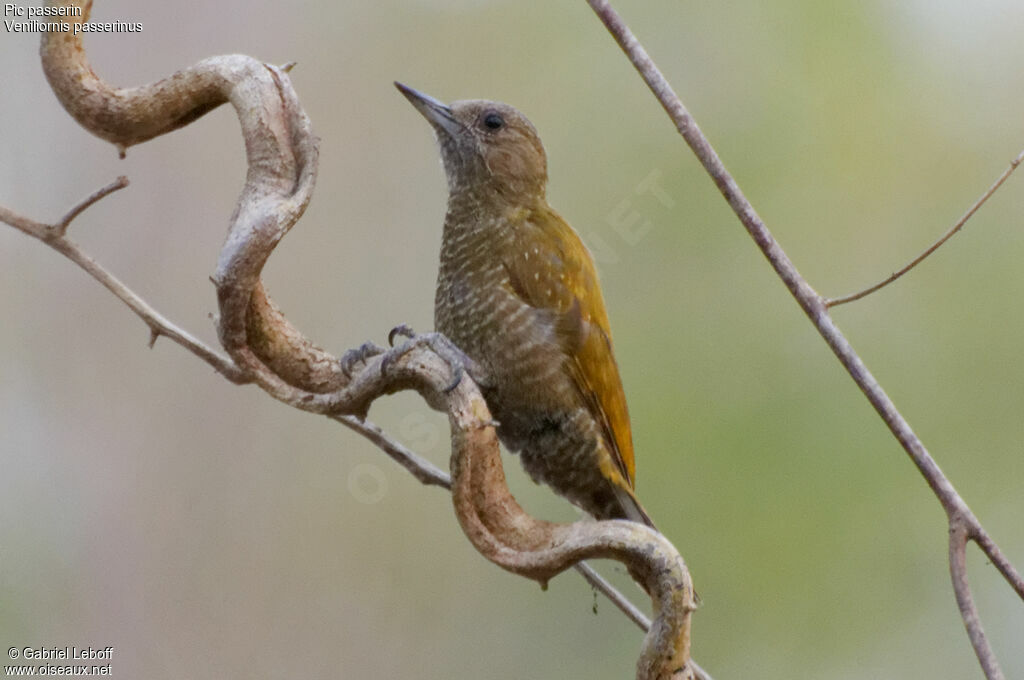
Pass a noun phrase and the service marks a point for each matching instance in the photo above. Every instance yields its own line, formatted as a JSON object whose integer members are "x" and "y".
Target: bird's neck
{"x": 484, "y": 224}
{"x": 487, "y": 206}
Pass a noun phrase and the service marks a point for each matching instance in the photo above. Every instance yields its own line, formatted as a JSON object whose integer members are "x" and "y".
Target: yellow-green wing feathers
{"x": 555, "y": 272}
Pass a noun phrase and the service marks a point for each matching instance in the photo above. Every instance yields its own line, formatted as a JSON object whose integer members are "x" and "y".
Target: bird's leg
{"x": 350, "y": 359}
{"x": 458, "y": 360}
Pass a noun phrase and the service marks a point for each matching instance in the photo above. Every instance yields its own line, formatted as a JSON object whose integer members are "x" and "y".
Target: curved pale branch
{"x": 505, "y": 534}
{"x": 266, "y": 349}
{"x": 958, "y": 513}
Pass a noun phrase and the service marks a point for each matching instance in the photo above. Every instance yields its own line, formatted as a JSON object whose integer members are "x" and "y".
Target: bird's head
{"x": 485, "y": 145}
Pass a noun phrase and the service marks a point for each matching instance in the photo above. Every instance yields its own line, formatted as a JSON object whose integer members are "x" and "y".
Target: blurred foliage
{"x": 202, "y": 529}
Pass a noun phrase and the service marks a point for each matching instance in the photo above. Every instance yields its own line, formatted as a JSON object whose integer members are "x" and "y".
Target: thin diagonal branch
{"x": 834, "y": 302}
{"x": 597, "y": 582}
{"x": 54, "y": 235}
{"x": 999, "y": 561}
{"x": 419, "y": 467}
{"x": 809, "y": 300}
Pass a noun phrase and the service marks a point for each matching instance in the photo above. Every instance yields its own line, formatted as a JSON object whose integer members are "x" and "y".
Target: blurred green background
{"x": 206, "y": 531}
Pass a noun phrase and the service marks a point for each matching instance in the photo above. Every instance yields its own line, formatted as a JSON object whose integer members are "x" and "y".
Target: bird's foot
{"x": 360, "y": 355}
{"x": 457, "y": 360}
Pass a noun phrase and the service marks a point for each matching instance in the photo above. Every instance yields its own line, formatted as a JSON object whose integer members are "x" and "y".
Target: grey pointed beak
{"x": 435, "y": 111}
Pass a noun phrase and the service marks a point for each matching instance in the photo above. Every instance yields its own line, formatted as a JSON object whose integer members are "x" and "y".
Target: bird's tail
{"x": 631, "y": 508}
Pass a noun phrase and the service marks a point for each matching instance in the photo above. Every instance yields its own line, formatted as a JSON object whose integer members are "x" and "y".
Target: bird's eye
{"x": 494, "y": 121}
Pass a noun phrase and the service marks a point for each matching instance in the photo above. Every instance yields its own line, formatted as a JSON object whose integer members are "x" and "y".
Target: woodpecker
{"x": 517, "y": 292}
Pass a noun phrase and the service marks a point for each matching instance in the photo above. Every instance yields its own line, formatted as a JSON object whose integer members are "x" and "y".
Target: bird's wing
{"x": 551, "y": 270}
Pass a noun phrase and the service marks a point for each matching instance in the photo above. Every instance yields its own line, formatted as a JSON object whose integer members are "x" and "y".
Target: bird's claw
{"x": 352, "y": 357}
{"x": 456, "y": 359}
{"x": 402, "y": 329}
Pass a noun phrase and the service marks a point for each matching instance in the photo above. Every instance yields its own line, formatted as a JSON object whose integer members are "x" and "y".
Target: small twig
{"x": 834, "y": 302}
{"x": 958, "y": 535}
{"x": 61, "y": 227}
